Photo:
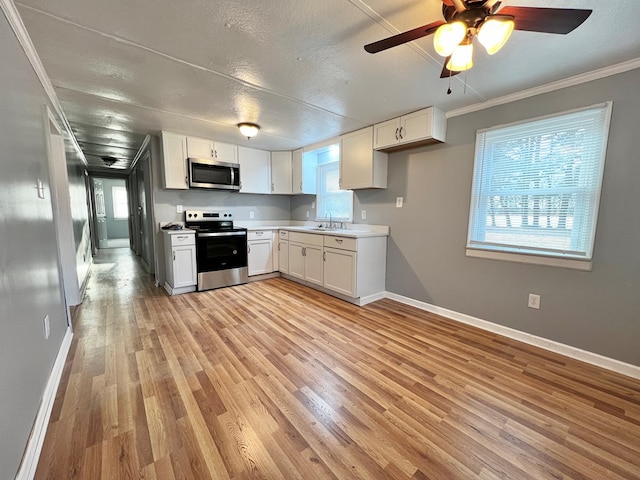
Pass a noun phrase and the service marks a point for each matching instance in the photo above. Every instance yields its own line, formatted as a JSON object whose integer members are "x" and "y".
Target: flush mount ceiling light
{"x": 487, "y": 20}
{"x": 249, "y": 129}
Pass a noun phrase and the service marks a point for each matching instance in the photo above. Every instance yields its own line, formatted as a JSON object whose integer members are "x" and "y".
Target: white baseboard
{"x": 553, "y": 346}
{"x": 36, "y": 440}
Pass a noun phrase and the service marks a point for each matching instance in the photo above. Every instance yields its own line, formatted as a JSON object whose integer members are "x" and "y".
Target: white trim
{"x": 14, "y": 19}
{"x": 32, "y": 452}
{"x": 550, "y": 345}
{"x": 372, "y": 298}
{"x": 583, "y": 265}
{"x": 549, "y": 87}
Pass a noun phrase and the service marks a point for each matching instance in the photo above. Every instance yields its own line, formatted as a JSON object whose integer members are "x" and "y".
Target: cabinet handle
{"x": 397, "y": 132}
{"x": 324, "y": 256}
{"x": 248, "y": 248}
{"x": 259, "y": 233}
{"x": 272, "y": 187}
{"x": 300, "y": 186}
{"x": 304, "y": 251}
{"x": 401, "y": 135}
{"x": 174, "y": 255}
{"x": 214, "y": 153}
{"x": 278, "y": 247}
{"x": 339, "y": 240}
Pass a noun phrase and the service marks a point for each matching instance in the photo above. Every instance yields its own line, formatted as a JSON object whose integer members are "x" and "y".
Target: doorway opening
{"x": 111, "y": 201}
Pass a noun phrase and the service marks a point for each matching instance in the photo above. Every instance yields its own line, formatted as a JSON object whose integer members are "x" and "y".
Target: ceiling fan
{"x": 484, "y": 19}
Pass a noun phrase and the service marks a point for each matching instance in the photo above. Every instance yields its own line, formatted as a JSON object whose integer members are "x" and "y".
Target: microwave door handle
{"x": 233, "y": 176}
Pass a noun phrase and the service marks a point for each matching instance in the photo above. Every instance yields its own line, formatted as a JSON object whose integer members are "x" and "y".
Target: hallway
{"x": 273, "y": 380}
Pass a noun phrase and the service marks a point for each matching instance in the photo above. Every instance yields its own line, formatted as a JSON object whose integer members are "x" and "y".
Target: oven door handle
{"x": 222, "y": 234}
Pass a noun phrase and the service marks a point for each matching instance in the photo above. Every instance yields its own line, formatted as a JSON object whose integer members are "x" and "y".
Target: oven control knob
{"x": 189, "y": 215}
{"x": 235, "y": 252}
{"x": 195, "y": 215}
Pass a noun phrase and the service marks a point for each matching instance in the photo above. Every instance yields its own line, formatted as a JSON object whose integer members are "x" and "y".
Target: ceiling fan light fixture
{"x": 494, "y": 32}
{"x": 248, "y": 129}
{"x": 448, "y": 37}
{"x": 461, "y": 58}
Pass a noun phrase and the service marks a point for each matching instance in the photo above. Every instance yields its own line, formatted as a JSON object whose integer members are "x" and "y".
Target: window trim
{"x": 526, "y": 255}
{"x": 113, "y": 201}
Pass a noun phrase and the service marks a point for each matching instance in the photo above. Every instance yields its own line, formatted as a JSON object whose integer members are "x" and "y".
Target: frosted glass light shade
{"x": 448, "y": 37}
{"x": 495, "y": 32}
{"x": 461, "y": 58}
{"x": 248, "y": 129}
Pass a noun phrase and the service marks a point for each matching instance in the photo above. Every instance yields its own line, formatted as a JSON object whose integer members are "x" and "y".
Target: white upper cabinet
{"x": 281, "y": 172}
{"x": 360, "y": 165}
{"x": 205, "y": 148}
{"x": 255, "y": 170}
{"x": 417, "y": 128}
{"x": 303, "y": 173}
{"x": 174, "y": 161}
{"x": 225, "y": 152}
{"x": 199, "y": 148}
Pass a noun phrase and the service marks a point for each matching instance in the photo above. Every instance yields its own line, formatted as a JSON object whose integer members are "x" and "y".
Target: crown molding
{"x": 549, "y": 87}
{"x": 13, "y": 17}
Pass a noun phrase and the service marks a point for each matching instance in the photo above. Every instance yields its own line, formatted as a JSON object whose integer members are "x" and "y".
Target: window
{"x": 331, "y": 201}
{"x": 536, "y": 189}
{"x": 120, "y": 204}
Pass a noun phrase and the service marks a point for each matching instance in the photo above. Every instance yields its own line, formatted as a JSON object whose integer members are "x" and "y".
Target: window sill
{"x": 574, "y": 264}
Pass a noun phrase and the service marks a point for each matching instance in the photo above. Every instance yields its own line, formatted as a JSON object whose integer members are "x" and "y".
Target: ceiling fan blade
{"x": 446, "y": 73}
{"x": 401, "y": 38}
{"x": 546, "y": 20}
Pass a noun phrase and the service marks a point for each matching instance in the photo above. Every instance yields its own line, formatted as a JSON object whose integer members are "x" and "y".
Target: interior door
{"x": 101, "y": 213}
{"x": 141, "y": 214}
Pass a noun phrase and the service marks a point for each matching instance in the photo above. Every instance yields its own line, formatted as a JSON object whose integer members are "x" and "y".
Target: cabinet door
{"x": 255, "y": 170}
{"x": 296, "y": 260}
{"x": 174, "y": 161}
{"x": 199, "y": 147}
{"x": 303, "y": 173}
{"x": 259, "y": 257}
{"x": 281, "y": 172}
{"x": 313, "y": 264}
{"x": 360, "y": 165}
{"x": 415, "y": 126}
{"x": 386, "y": 134}
{"x": 225, "y": 152}
{"x": 184, "y": 266}
{"x": 340, "y": 271}
{"x": 283, "y": 252}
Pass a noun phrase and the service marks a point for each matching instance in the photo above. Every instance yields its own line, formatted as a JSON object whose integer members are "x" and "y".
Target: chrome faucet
{"x": 330, "y": 220}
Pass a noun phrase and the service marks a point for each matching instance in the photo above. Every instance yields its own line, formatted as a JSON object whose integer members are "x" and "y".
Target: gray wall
{"x": 116, "y": 227}
{"x": 30, "y": 285}
{"x": 598, "y": 311}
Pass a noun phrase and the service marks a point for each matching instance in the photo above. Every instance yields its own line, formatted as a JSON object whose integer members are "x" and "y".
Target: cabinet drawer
{"x": 258, "y": 234}
{"x": 307, "y": 238}
{"x": 284, "y": 234}
{"x": 343, "y": 243}
{"x": 183, "y": 239}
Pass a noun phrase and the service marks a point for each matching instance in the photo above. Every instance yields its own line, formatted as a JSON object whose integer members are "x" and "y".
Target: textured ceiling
{"x": 124, "y": 69}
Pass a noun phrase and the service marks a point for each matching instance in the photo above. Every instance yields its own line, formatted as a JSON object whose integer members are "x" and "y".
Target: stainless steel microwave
{"x": 205, "y": 173}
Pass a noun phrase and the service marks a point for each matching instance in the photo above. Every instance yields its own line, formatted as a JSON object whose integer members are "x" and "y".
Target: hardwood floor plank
{"x": 273, "y": 380}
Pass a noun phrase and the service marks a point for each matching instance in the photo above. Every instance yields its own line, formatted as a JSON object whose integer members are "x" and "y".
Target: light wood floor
{"x": 272, "y": 380}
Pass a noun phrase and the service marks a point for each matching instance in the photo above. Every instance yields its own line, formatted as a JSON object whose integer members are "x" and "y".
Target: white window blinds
{"x": 536, "y": 185}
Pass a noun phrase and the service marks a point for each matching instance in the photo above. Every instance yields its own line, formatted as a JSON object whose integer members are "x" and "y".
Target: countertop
{"x": 352, "y": 230}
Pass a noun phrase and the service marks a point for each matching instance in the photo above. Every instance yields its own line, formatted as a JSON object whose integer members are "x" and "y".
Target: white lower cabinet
{"x": 340, "y": 265}
{"x": 180, "y": 262}
{"x": 351, "y": 268}
{"x": 305, "y": 257}
{"x": 260, "y": 252}
{"x": 283, "y": 251}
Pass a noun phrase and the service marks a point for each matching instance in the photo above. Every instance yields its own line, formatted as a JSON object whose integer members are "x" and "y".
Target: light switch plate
{"x": 251, "y": 214}
{"x": 364, "y": 214}
{"x": 179, "y": 209}
{"x": 399, "y": 202}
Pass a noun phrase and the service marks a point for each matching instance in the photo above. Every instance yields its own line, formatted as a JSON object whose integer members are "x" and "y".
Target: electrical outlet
{"x": 179, "y": 209}
{"x": 251, "y": 214}
{"x": 364, "y": 214}
{"x": 313, "y": 205}
{"x": 47, "y": 329}
{"x": 534, "y": 301}
{"x": 399, "y": 202}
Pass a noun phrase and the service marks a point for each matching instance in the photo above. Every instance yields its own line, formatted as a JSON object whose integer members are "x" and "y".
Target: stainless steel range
{"x": 221, "y": 249}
